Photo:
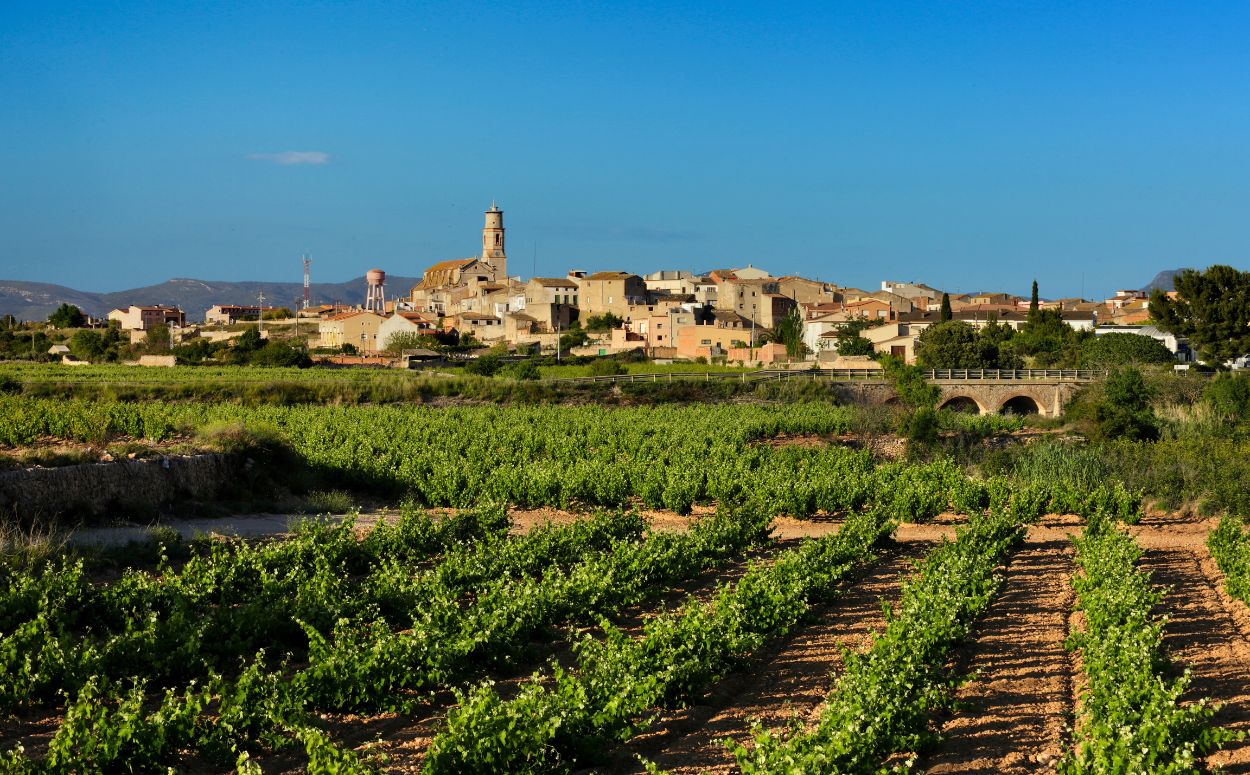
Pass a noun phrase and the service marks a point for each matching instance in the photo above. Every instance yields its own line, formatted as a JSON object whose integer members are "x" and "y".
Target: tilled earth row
{"x": 1016, "y": 712}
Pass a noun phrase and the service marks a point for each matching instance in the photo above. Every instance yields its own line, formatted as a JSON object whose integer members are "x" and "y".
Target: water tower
{"x": 375, "y": 298}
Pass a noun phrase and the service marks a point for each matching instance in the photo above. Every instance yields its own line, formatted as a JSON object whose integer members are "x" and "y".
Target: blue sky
{"x": 967, "y": 145}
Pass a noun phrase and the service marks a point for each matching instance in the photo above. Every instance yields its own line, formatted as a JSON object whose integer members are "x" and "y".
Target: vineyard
{"x": 711, "y": 598}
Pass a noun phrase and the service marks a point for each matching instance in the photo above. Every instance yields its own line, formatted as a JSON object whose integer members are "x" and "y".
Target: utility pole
{"x": 751, "y": 346}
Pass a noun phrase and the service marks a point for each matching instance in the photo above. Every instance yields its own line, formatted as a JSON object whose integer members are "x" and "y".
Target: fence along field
{"x": 274, "y": 656}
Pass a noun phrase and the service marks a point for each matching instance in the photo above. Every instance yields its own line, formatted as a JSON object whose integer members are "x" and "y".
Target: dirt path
{"x": 788, "y": 680}
{"x": 1015, "y": 709}
{"x": 523, "y": 520}
{"x": 1207, "y": 633}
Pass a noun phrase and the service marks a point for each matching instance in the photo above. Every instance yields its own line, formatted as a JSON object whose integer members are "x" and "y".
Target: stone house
{"x": 229, "y": 314}
{"x": 677, "y": 282}
{"x": 136, "y": 318}
{"x": 897, "y": 339}
{"x": 760, "y": 300}
{"x": 357, "y": 328}
{"x": 482, "y": 326}
{"x": 552, "y": 290}
{"x": 614, "y": 292}
{"x": 805, "y": 291}
{"x": 773, "y": 352}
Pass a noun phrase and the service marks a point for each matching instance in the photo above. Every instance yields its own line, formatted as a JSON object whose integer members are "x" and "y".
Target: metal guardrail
{"x": 846, "y": 375}
{"x": 1015, "y": 375}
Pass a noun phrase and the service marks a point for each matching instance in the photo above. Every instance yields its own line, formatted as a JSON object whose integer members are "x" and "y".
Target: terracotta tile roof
{"x": 349, "y": 314}
{"x": 458, "y": 263}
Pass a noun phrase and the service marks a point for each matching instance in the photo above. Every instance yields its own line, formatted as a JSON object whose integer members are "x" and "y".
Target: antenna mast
{"x": 307, "y": 263}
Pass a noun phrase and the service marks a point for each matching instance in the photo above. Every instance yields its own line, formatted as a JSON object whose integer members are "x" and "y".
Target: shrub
{"x": 330, "y": 501}
{"x": 1229, "y": 398}
{"x": 522, "y": 370}
{"x": 483, "y": 366}
{"x": 607, "y": 367}
{"x": 1124, "y": 411}
{"x": 1110, "y": 350}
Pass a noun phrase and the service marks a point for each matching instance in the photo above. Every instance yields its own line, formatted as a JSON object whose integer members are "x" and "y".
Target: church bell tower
{"x": 492, "y": 243}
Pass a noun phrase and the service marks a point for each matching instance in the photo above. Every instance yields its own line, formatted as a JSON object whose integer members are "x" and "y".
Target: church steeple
{"x": 493, "y": 251}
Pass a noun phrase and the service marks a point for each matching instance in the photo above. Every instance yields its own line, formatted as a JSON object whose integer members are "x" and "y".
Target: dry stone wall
{"x": 118, "y": 488}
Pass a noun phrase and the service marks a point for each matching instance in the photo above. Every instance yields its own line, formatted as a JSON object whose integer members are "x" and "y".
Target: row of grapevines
{"x": 367, "y": 665}
{"x": 667, "y": 457}
{"x": 881, "y": 703}
{"x": 170, "y": 627}
{"x": 1131, "y": 718}
{"x": 271, "y": 708}
{"x": 1230, "y": 546}
{"x": 563, "y": 719}
{"x": 529, "y": 456}
{"x": 114, "y": 728}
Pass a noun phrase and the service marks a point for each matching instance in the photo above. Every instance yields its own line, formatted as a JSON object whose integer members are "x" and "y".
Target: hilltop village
{"x": 741, "y": 315}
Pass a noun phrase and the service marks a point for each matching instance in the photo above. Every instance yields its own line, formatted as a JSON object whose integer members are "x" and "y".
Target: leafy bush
{"x": 1124, "y": 411}
{"x": 1111, "y": 350}
{"x": 1228, "y": 397}
{"x": 67, "y": 316}
{"x": 483, "y": 366}
{"x": 522, "y": 370}
{"x": 601, "y": 323}
{"x": 606, "y": 367}
{"x": 958, "y": 345}
{"x": 275, "y": 353}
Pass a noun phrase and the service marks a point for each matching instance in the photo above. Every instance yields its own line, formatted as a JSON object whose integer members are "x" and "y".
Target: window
{"x": 498, "y": 239}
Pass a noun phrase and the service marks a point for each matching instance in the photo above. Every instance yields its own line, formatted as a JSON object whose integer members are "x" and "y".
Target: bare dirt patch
{"x": 1160, "y": 530}
{"x": 1013, "y": 712}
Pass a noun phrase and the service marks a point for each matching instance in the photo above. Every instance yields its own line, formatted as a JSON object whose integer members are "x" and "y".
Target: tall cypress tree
{"x": 946, "y": 313}
{"x": 1033, "y": 300}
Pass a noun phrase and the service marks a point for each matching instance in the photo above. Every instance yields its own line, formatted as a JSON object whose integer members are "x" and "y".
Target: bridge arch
{"x": 961, "y": 402}
{"x": 1022, "y": 404}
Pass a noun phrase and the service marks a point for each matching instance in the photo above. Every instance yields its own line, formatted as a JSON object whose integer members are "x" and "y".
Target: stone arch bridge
{"x": 985, "y": 391}
{"x": 1020, "y": 391}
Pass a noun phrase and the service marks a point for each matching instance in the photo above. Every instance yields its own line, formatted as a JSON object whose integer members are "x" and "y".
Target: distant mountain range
{"x": 1163, "y": 281}
{"x": 36, "y": 301}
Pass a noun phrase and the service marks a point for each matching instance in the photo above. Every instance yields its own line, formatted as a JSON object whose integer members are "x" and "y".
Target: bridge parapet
{"x": 991, "y": 390}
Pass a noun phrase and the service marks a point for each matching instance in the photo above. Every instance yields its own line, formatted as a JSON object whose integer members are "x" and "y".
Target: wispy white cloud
{"x": 292, "y": 157}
